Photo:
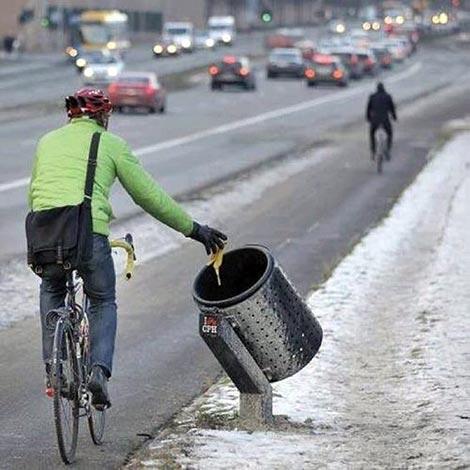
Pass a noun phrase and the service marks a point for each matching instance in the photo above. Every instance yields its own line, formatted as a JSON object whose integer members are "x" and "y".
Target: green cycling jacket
{"x": 59, "y": 172}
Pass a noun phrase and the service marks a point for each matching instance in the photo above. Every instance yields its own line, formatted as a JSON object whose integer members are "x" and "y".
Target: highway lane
{"x": 52, "y": 83}
{"x": 310, "y": 220}
{"x": 209, "y": 135}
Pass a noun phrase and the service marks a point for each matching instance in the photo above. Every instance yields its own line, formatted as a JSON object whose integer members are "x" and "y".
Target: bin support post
{"x": 256, "y": 405}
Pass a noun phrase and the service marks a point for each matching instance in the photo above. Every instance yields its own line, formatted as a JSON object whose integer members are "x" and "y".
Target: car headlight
{"x": 111, "y": 45}
{"x": 443, "y": 18}
{"x": 186, "y": 43}
{"x": 80, "y": 62}
{"x": 340, "y": 28}
{"x": 210, "y": 42}
{"x": 113, "y": 72}
{"x": 88, "y": 73}
{"x": 171, "y": 48}
{"x": 226, "y": 37}
{"x": 400, "y": 19}
{"x": 71, "y": 51}
{"x": 158, "y": 49}
{"x": 375, "y": 25}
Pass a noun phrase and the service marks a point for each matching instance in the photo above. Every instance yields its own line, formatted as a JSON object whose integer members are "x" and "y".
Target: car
{"x": 222, "y": 29}
{"x": 334, "y": 41}
{"x": 306, "y": 47}
{"x": 360, "y": 38}
{"x": 165, "y": 47}
{"x": 180, "y": 32}
{"x": 397, "y": 49}
{"x": 286, "y": 62}
{"x": 383, "y": 55}
{"x": 232, "y": 70}
{"x": 203, "y": 40}
{"x": 138, "y": 90}
{"x": 83, "y": 58}
{"x": 328, "y": 69}
{"x": 369, "y": 61}
{"x": 337, "y": 26}
{"x": 284, "y": 37}
{"x": 103, "y": 71}
{"x": 351, "y": 61}
{"x": 405, "y": 42}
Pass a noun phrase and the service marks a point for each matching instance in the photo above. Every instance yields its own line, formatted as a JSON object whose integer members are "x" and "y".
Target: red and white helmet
{"x": 88, "y": 102}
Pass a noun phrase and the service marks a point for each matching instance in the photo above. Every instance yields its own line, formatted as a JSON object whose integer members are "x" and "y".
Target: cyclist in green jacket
{"x": 58, "y": 180}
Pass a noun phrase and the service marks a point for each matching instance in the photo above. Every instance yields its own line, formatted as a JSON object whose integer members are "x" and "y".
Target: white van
{"x": 222, "y": 29}
{"x": 181, "y": 33}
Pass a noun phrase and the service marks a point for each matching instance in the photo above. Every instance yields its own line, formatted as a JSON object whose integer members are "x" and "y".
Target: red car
{"x": 138, "y": 90}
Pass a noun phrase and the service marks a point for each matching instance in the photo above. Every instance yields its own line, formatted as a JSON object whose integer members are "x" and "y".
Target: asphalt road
{"x": 310, "y": 220}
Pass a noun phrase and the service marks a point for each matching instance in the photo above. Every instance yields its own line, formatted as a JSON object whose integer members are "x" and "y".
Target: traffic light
{"x": 266, "y": 16}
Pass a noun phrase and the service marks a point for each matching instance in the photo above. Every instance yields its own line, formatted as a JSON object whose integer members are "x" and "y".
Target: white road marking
{"x": 232, "y": 126}
{"x": 21, "y": 183}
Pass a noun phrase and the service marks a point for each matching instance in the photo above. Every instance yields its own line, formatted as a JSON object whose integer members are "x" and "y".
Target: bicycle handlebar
{"x": 127, "y": 245}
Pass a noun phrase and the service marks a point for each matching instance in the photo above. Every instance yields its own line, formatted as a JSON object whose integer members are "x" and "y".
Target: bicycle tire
{"x": 65, "y": 399}
{"x": 379, "y": 158}
{"x": 96, "y": 425}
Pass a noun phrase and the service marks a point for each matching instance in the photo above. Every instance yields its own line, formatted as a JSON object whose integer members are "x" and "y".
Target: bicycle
{"x": 70, "y": 368}
{"x": 381, "y": 153}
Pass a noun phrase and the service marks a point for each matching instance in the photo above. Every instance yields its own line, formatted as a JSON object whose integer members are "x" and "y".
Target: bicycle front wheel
{"x": 96, "y": 424}
{"x": 65, "y": 376}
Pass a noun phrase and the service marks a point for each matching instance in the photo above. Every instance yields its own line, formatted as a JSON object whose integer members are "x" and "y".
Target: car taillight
{"x": 337, "y": 74}
{"x": 213, "y": 70}
{"x": 243, "y": 71}
{"x": 113, "y": 88}
{"x": 369, "y": 61}
{"x": 150, "y": 90}
{"x": 310, "y": 73}
{"x": 354, "y": 60}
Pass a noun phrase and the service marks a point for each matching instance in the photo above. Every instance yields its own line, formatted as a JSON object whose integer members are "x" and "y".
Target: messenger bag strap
{"x": 91, "y": 167}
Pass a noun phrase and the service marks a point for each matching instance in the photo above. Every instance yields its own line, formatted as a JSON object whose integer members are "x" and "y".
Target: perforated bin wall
{"x": 269, "y": 316}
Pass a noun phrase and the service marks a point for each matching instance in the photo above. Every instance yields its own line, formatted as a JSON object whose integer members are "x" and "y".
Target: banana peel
{"x": 216, "y": 259}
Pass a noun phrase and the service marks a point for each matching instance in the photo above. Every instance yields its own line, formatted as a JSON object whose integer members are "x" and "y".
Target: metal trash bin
{"x": 269, "y": 316}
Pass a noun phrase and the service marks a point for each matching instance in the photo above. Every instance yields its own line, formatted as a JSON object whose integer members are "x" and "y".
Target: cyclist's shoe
{"x": 98, "y": 386}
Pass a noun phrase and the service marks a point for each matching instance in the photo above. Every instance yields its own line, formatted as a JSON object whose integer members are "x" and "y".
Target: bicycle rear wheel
{"x": 379, "y": 159}
{"x": 65, "y": 379}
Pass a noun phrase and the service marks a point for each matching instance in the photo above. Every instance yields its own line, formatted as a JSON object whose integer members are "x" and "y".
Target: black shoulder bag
{"x": 64, "y": 235}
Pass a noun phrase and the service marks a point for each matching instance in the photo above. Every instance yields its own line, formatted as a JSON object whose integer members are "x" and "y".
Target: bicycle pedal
{"x": 50, "y": 392}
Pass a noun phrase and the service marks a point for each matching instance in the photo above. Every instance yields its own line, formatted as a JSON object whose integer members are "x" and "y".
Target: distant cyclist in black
{"x": 379, "y": 109}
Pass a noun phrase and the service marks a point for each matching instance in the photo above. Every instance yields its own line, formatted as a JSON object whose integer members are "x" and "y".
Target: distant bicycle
{"x": 71, "y": 366}
{"x": 381, "y": 152}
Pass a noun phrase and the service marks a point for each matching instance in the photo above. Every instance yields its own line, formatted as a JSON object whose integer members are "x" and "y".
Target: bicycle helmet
{"x": 90, "y": 102}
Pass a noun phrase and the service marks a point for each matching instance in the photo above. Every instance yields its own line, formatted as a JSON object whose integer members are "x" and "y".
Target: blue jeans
{"x": 99, "y": 281}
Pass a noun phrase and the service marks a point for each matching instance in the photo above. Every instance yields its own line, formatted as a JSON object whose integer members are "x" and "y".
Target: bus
{"x": 99, "y": 29}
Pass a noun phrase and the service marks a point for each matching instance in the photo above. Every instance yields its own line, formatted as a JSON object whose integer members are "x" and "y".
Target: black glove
{"x": 212, "y": 239}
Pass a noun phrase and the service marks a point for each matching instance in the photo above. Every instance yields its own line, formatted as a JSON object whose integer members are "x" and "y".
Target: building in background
{"x": 44, "y": 24}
